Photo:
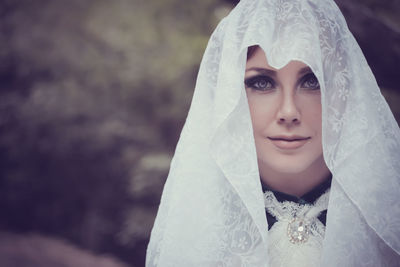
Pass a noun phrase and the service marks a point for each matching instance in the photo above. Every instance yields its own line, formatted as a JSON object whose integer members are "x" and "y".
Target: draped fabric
{"x": 212, "y": 208}
{"x": 296, "y": 238}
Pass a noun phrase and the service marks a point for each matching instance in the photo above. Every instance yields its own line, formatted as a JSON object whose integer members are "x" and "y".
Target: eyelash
{"x": 266, "y": 83}
{"x": 306, "y": 79}
{"x": 257, "y": 83}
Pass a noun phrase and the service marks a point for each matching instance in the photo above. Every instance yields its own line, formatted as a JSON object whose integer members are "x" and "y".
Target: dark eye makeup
{"x": 260, "y": 82}
{"x": 309, "y": 82}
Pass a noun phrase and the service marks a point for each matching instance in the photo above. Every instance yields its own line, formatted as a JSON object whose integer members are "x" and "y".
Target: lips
{"x": 289, "y": 142}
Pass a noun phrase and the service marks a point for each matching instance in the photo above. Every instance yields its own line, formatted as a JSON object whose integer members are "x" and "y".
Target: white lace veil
{"x": 212, "y": 210}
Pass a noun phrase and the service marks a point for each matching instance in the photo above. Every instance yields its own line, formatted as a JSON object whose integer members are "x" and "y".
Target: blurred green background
{"x": 93, "y": 97}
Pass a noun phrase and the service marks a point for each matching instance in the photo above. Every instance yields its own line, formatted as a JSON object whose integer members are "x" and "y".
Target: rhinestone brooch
{"x": 298, "y": 230}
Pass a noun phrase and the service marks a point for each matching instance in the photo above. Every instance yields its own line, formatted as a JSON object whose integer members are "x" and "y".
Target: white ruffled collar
{"x": 296, "y": 237}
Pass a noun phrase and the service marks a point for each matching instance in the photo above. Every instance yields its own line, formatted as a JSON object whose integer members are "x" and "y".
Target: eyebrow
{"x": 262, "y": 71}
{"x": 305, "y": 70}
{"x": 272, "y": 73}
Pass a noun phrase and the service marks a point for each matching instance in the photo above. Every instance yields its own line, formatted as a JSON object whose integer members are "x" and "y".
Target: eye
{"x": 309, "y": 81}
{"x": 260, "y": 83}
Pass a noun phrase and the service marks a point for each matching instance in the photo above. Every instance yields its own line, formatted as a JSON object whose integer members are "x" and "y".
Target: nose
{"x": 288, "y": 112}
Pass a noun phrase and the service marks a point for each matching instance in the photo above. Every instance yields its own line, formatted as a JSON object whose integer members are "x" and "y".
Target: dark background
{"x": 92, "y": 100}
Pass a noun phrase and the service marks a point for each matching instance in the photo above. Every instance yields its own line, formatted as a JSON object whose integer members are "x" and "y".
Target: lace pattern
{"x": 212, "y": 209}
{"x": 304, "y": 231}
{"x": 287, "y": 210}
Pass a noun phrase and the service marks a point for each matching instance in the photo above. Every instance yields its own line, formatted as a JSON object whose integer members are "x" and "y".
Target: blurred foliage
{"x": 38, "y": 250}
{"x": 93, "y": 97}
{"x": 386, "y": 10}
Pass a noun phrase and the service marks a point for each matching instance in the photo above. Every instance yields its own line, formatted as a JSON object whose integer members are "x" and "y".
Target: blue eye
{"x": 310, "y": 82}
{"x": 260, "y": 83}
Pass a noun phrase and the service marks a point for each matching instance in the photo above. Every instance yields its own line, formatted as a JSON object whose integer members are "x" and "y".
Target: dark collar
{"x": 308, "y": 198}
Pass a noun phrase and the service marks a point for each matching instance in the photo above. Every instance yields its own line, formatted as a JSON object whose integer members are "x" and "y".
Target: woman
{"x": 285, "y": 108}
{"x": 286, "y": 116}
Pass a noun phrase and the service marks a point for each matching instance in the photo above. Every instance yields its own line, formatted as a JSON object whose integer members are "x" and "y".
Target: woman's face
{"x": 285, "y": 107}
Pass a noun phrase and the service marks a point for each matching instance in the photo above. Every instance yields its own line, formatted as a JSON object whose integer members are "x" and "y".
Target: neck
{"x": 296, "y": 184}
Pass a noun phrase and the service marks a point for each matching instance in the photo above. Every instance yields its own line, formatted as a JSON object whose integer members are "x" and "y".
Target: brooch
{"x": 298, "y": 230}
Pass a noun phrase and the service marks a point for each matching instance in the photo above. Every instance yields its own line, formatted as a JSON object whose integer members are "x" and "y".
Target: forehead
{"x": 258, "y": 60}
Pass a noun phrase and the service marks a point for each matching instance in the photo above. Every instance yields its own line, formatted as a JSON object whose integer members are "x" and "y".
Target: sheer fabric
{"x": 300, "y": 223}
{"x": 212, "y": 208}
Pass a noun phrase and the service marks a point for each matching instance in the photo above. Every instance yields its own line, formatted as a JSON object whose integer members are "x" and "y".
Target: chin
{"x": 289, "y": 164}
{"x": 289, "y": 167}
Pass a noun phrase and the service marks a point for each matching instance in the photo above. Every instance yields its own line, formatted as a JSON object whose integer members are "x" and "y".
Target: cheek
{"x": 311, "y": 113}
{"x": 261, "y": 111}
{"x": 312, "y": 120}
